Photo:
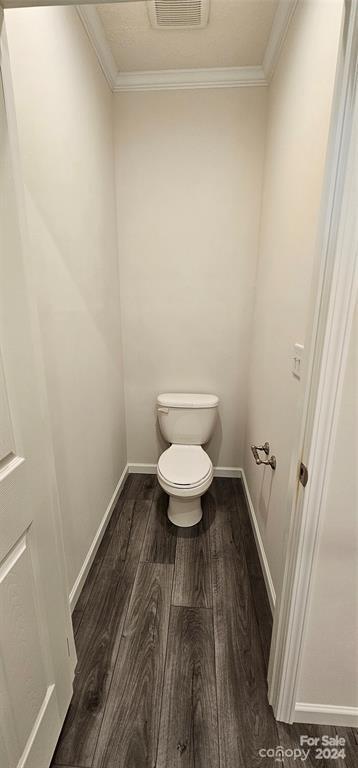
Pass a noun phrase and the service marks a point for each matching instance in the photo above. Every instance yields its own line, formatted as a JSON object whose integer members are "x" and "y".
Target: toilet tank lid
{"x": 187, "y": 400}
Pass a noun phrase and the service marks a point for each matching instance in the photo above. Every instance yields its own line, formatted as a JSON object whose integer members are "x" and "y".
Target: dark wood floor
{"x": 173, "y": 632}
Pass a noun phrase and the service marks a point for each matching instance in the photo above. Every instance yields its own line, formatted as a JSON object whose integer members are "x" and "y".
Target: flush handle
{"x": 163, "y": 410}
{"x": 271, "y": 462}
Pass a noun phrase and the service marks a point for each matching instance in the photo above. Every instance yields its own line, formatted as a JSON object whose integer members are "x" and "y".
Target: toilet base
{"x": 185, "y": 512}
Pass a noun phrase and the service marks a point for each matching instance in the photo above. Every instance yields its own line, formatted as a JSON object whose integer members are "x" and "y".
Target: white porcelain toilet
{"x": 185, "y": 470}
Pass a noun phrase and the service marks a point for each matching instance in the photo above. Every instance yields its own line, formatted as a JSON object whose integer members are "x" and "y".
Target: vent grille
{"x": 178, "y": 14}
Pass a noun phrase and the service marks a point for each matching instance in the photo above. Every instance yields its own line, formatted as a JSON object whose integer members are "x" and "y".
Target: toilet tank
{"x": 187, "y": 419}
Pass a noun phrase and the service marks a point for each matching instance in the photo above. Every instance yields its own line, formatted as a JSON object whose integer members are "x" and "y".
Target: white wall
{"x": 64, "y": 110}
{"x": 332, "y": 630}
{"x": 300, "y": 97}
{"x": 189, "y": 175}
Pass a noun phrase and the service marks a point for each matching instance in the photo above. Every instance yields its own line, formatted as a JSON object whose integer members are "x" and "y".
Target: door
{"x": 331, "y": 323}
{"x": 36, "y": 668}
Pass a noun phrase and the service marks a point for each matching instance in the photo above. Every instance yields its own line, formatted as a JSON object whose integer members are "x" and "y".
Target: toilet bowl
{"x": 185, "y": 470}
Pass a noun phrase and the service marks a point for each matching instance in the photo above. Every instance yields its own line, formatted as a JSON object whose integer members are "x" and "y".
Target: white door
{"x": 36, "y": 668}
{"x": 332, "y": 319}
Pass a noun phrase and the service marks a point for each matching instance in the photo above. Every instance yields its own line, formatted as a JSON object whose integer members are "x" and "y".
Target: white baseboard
{"x": 142, "y": 469}
{"x": 227, "y": 472}
{"x": 81, "y": 578}
{"x": 260, "y": 546}
{"x": 150, "y": 469}
{"x": 325, "y": 714}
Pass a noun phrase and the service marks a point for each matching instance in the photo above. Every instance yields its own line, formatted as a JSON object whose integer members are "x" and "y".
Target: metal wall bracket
{"x": 271, "y": 462}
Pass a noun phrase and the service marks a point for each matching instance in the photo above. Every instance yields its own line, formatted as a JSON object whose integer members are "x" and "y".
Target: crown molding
{"x": 183, "y": 79}
{"x": 281, "y": 22}
{"x": 94, "y": 28}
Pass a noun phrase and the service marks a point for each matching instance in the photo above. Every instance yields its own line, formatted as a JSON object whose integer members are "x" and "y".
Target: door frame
{"x": 331, "y": 321}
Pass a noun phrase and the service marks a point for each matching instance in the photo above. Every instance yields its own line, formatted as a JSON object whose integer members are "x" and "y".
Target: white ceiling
{"x": 236, "y": 36}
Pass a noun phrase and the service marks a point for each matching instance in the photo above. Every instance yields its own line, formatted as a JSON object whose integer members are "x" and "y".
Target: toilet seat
{"x": 184, "y": 466}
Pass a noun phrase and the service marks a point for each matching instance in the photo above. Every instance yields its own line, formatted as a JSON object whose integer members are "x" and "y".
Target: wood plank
{"x": 120, "y": 530}
{"x": 349, "y": 734}
{"x": 76, "y": 620}
{"x": 351, "y": 744}
{"x": 188, "y": 728}
{"x": 161, "y": 535}
{"x": 242, "y": 620}
{"x": 119, "y": 510}
{"x": 208, "y": 507}
{"x": 192, "y": 575}
{"x": 351, "y": 760}
{"x": 225, "y": 534}
{"x": 139, "y": 486}
{"x": 263, "y": 615}
{"x": 130, "y": 727}
{"x": 97, "y": 642}
{"x": 245, "y": 530}
{"x": 93, "y": 572}
{"x": 246, "y": 721}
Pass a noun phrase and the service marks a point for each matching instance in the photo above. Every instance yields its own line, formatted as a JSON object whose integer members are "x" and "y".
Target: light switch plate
{"x": 297, "y": 360}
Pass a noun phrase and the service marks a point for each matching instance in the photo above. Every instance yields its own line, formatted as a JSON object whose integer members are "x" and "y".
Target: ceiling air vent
{"x": 178, "y": 14}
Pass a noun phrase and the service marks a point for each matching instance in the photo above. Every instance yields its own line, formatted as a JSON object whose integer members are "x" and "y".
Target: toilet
{"x": 185, "y": 470}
